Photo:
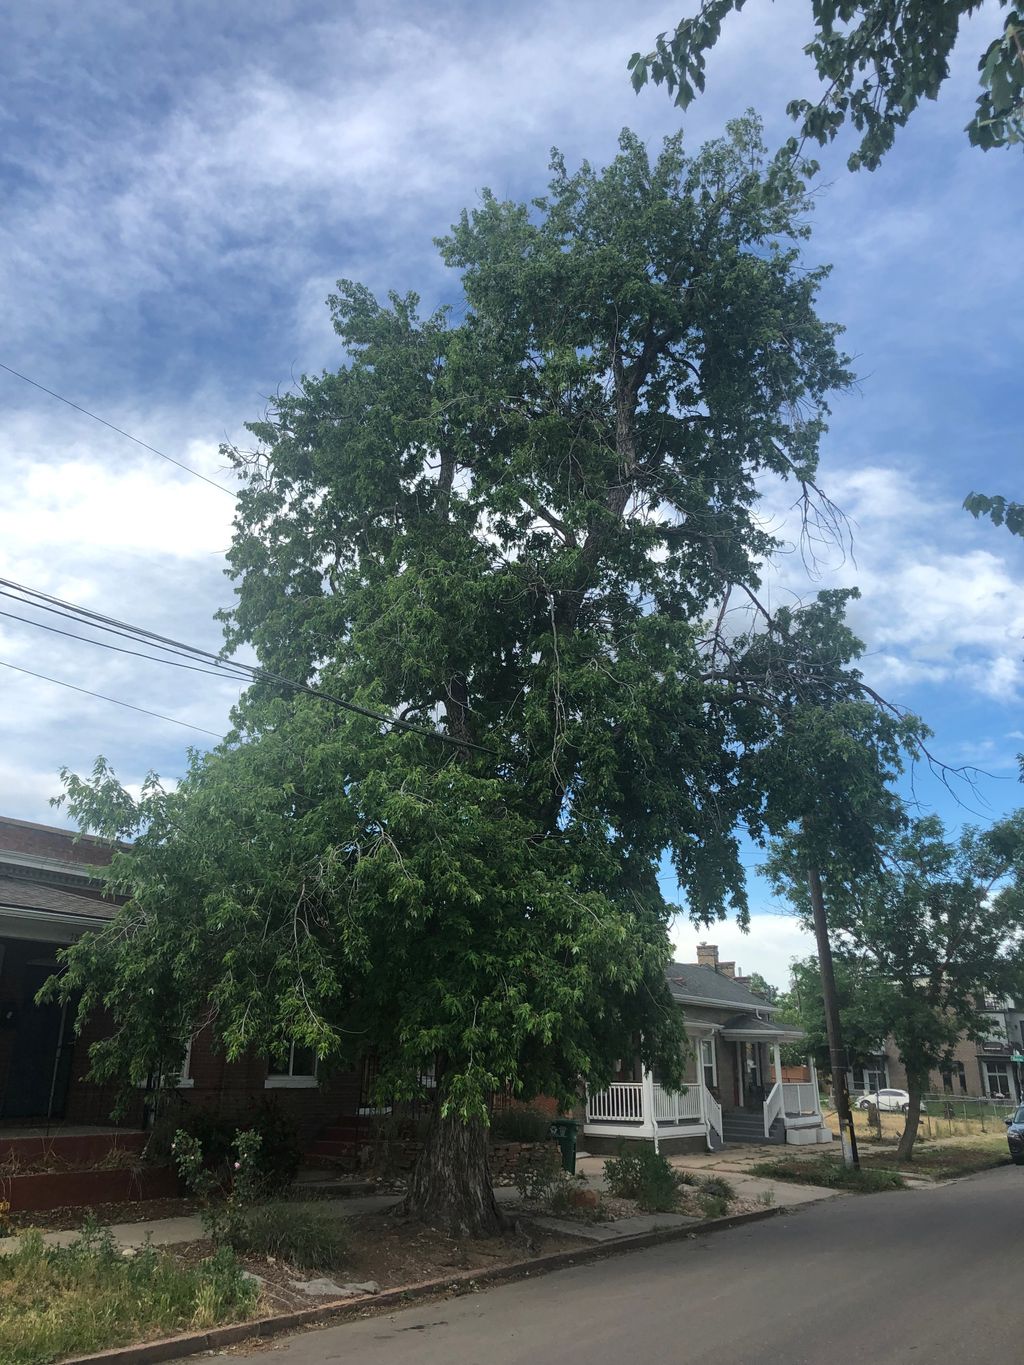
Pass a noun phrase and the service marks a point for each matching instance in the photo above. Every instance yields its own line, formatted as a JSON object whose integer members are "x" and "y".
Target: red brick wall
{"x": 42, "y": 841}
{"x": 234, "y": 1089}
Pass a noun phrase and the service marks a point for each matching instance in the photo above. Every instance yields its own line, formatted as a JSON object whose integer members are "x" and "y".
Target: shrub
{"x": 310, "y": 1239}
{"x": 687, "y": 1178}
{"x": 643, "y": 1174}
{"x": 538, "y": 1174}
{"x": 520, "y": 1125}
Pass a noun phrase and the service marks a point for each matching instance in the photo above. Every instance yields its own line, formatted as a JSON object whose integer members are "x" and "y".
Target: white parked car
{"x": 896, "y": 1101}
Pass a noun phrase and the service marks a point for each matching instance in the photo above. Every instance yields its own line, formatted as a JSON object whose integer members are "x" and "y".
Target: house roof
{"x": 18, "y": 893}
{"x": 691, "y": 983}
{"x": 742, "y": 1026}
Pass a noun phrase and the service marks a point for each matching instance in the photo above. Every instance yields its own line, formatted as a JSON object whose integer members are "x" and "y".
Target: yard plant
{"x": 641, "y": 1173}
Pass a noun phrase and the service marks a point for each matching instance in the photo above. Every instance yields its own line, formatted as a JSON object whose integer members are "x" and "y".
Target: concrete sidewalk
{"x": 164, "y": 1232}
{"x": 752, "y": 1189}
{"x": 733, "y": 1167}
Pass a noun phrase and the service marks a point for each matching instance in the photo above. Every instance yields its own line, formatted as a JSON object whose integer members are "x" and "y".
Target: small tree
{"x": 922, "y": 941}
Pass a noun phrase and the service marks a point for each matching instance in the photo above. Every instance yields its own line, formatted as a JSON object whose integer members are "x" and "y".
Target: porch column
{"x": 648, "y": 1093}
{"x": 777, "y": 1060}
{"x": 814, "y": 1082}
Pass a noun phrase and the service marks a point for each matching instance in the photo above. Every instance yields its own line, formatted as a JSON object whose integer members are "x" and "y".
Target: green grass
{"x": 59, "y": 1301}
{"x": 310, "y": 1239}
{"x": 830, "y": 1173}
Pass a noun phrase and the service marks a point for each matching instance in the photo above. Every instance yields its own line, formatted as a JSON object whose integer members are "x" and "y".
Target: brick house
{"x": 735, "y": 1087}
{"x": 992, "y": 1068}
{"x": 48, "y": 898}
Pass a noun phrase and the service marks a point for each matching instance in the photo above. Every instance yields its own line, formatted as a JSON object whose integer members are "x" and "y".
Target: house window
{"x": 708, "y": 1064}
{"x": 295, "y": 1069}
{"x": 185, "y": 1078}
{"x": 179, "y": 1076}
{"x": 868, "y": 1080}
{"x": 997, "y": 1079}
{"x": 957, "y": 1070}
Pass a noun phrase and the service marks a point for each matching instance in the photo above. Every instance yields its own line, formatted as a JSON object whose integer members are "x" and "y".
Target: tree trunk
{"x": 451, "y": 1182}
{"x": 905, "y": 1151}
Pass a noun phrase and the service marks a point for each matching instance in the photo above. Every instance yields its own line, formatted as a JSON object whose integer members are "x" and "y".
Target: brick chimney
{"x": 707, "y": 955}
{"x": 728, "y": 969}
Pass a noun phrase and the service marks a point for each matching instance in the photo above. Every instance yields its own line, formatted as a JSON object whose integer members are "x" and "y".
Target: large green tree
{"x": 513, "y": 525}
{"x": 921, "y": 942}
{"x": 877, "y": 59}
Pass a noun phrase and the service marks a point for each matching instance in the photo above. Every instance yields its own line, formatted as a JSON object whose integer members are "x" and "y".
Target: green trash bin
{"x": 565, "y": 1131}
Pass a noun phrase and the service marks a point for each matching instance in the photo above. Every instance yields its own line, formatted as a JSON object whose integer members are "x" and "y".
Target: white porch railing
{"x": 772, "y": 1107}
{"x": 646, "y": 1105}
{"x": 712, "y": 1111}
{"x": 671, "y": 1106}
{"x": 800, "y": 1098}
{"x": 622, "y": 1102}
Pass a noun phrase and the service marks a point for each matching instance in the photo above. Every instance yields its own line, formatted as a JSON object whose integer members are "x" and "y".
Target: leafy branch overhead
{"x": 877, "y": 61}
{"x": 998, "y": 510}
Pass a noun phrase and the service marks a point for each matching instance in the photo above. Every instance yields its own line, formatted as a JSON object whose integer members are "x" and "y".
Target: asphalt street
{"x": 928, "y": 1275}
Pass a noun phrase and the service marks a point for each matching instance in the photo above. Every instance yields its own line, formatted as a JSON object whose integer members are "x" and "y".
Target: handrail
{"x": 713, "y": 1111}
{"x": 772, "y": 1107}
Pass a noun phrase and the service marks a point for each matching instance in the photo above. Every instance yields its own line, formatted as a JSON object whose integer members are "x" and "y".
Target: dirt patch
{"x": 393, "y": 1251}
{"x": 71, "y": 1219}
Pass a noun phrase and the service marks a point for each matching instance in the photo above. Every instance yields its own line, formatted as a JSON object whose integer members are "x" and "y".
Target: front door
{"x": 37, "y": 1081}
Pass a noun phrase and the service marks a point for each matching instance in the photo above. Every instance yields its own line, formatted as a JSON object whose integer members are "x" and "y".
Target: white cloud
{"x": 943, "y": 599}
{"x": 773, "y": 942}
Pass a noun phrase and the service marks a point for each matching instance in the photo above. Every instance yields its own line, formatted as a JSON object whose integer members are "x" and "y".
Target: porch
{"x": 734, "y": 1093}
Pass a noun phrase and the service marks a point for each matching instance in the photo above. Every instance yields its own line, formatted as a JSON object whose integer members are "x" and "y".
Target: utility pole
{"x": 837, "y": 1053}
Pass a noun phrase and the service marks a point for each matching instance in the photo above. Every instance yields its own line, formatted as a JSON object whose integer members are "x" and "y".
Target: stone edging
{"x": 341, "y": 1310}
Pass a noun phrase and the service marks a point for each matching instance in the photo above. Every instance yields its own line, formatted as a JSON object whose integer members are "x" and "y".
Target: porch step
{"x": 746, "y": 1126}
{"x": 342, "y": 1140}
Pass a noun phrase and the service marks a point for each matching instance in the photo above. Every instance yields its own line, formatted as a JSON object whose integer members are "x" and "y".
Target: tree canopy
{"x": 514, "y": 525}
{"x": 920, "y": 943}
{"x": 877, "y": 59}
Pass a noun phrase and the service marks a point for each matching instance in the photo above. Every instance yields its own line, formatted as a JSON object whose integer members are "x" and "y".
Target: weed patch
{"x": 58, "y": 1301}
{"x": 310, "y": 1239}
{"x": 830, "y": 1173}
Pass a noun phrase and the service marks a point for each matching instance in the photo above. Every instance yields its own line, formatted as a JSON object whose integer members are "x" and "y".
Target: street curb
{"x": 341, "y": 1310}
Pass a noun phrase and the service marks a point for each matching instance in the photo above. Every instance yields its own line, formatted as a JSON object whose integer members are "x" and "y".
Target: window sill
{"x": 290, "y": 1083}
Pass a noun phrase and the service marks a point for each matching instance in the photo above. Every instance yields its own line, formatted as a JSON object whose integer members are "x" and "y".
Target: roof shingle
{"x": 18, "y": 894}
{"x": 690, "y": 981}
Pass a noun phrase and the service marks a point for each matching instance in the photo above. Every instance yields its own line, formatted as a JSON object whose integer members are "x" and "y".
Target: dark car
{"x": 1015, "y": 1137}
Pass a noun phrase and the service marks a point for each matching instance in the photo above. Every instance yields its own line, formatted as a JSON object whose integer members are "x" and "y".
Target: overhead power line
{"x": 120, "y": 430}
{"x": 202, "y": 660}
{"x": 59, "y": 682}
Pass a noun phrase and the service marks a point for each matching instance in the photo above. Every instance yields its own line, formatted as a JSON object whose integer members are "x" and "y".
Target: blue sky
{"x": 182, "y": 185}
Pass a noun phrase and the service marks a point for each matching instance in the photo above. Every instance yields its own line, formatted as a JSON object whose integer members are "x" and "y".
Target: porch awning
{"x": 744, "y": 1028}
